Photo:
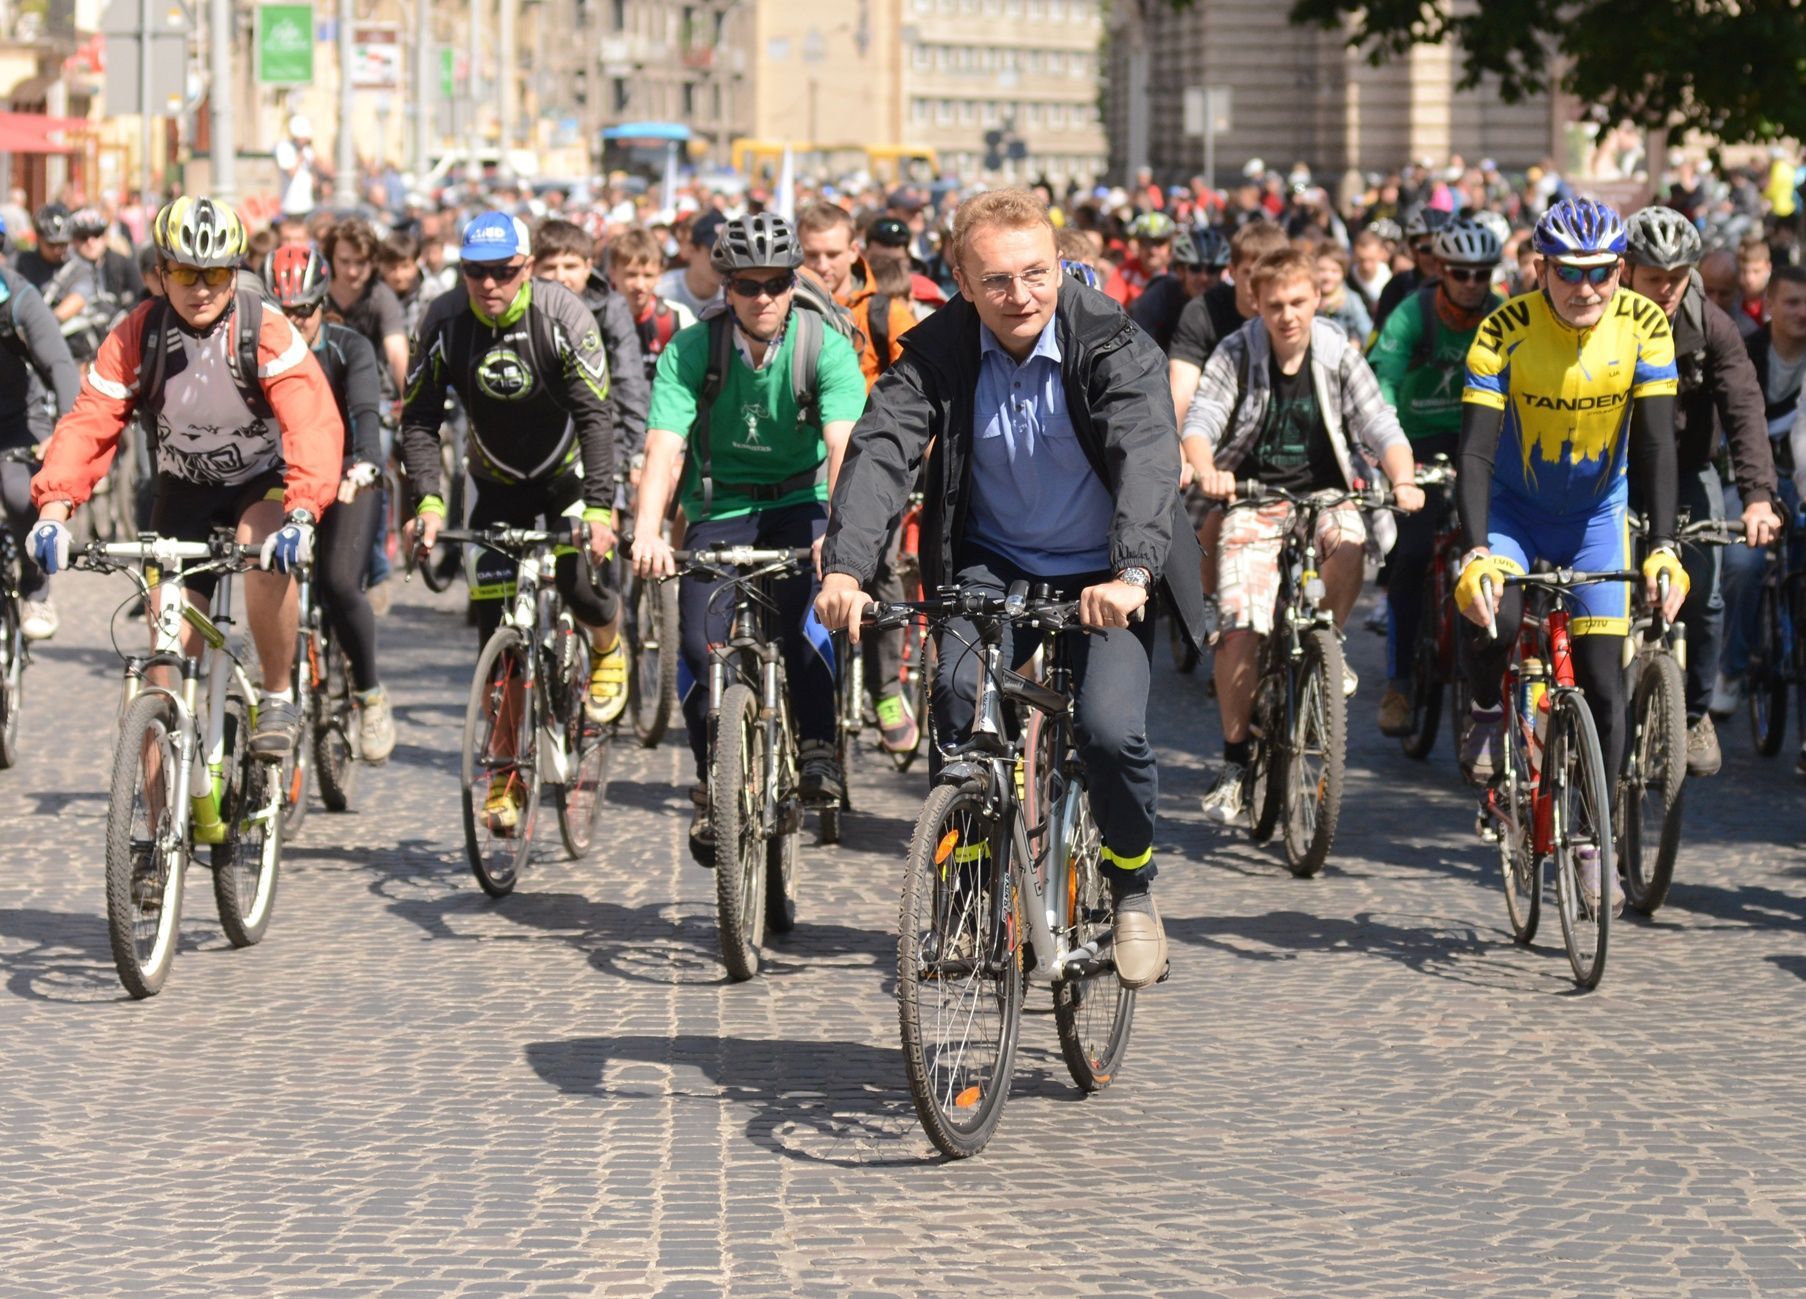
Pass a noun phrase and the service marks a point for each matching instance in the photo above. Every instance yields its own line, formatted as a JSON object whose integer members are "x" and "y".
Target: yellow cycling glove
{"x": 1492, "y": 567}
{"x": 1666, "y": 561}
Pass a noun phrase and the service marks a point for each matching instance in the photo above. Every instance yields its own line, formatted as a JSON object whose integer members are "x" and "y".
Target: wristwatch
{"x": 1135, "y": 575}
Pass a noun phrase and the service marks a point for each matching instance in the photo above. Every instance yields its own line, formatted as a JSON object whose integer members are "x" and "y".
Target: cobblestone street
{"x": 1353, "y": 1085}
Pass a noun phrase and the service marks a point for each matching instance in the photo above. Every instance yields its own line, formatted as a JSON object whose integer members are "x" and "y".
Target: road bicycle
{"x": 1655, "y": 755}
{"x": 1003, "y": 881}
{"x": 183, "y": 772}
{"x": 1549, "y": 799}
{"x": 524, "y": 724}
{"x": 1778, "y": 655}
{"x": 755, "y": 806}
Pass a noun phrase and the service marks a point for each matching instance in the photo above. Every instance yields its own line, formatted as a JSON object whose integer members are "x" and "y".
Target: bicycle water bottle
{"x": 1533, "y": 708}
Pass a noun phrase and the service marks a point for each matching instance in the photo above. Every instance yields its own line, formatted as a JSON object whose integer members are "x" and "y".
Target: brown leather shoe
{"x": 1138, "y": 941}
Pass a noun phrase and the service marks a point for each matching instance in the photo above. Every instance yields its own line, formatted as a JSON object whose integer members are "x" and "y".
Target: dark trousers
{"x": 1111, "y": 671}
{"x": 21, "y": 517}
{"x": 1410, "y": 559}
{"x": 344, "y": 546}
{"x": 538, "y": 505}
{"x": 702, "y": 622}
{"x": 1702, "y": 497}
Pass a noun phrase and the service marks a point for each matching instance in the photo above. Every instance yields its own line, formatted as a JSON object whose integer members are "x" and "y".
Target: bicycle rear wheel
{"x": 581, "y": 798}
{"x": 337, "y": 752}
{"x": 247, "y": 865}
{"x": 655, "y": 654}
{"x": 304, "y": 679}
{"x": 1655, "y": 768}
{"x": 783, "y": 854}
{"x": 1426, "y": 688}
{"x": 959, "y": 973}
{"x": 1768, "y": 675}
{"x": 1520, "y": 869}
{"x": 501, "y": 754}
{"x": 12, "y": 675}
{"x": 736, "y": 800}
{"x": 1581, "y": 825}
{"x": 1314, "y": 761}
{"x": 147, "y": 845}
{"x": 1093, "y": 1012}
{"x": 918, "y": 674}
{"x": 1266, "y": 764}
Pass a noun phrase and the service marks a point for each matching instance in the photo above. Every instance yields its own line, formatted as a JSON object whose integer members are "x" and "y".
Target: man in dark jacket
{"x": 1719, "y": 394}
{"x": 1051, "y": 456}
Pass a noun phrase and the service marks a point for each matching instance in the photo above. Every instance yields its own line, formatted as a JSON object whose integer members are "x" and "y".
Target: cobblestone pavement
{"x": 1355, "y": 1085}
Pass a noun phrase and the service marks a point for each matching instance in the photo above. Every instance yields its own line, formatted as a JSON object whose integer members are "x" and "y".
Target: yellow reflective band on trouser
{"x": 1122, "y": 863}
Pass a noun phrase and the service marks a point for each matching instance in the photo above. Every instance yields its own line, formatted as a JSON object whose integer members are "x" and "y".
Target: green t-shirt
{"x": 1428, "y": 397}
{"x": 755, "y": 435}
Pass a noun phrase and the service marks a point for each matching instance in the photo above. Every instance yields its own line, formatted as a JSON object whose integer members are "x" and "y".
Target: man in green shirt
{"x": 1420, "y": 360}
{"x": 760, "y": 475}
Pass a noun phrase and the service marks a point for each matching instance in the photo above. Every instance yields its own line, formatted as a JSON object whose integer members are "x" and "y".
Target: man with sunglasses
{"x": 1420, "y": 360}
{"x": 232, "y": 449}
{"x": 757, "y": 470}
{"x": 528, "y": 364}
{"x": 1421, "y": 225}
{"x": 94, "y": 286}
{"x": 1570, "y": 392}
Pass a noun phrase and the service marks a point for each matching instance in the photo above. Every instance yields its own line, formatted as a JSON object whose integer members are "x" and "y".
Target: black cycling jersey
{"x": 351, "y": 368}
{"x": 534, "y": 384}
{"x": 34, "y": 361}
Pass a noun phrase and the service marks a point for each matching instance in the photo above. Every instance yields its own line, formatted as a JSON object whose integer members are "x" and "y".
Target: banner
{"x": 285, "y": 44}
{"x": 376, "y": 56}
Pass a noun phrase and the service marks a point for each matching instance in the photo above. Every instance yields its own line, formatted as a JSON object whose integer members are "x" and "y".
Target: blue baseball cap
{"x": 495, "y": 237}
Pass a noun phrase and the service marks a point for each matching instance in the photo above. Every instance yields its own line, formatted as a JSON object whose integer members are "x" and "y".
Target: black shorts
{"x": 194, "y": 511}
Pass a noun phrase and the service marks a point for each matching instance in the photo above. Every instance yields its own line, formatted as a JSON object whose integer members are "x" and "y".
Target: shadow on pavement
{"x": 1749, "y": 906}
{"x": 839, "y": 1103}
{"x": 1794, "y": 965}
{"x": 65, "y": 957}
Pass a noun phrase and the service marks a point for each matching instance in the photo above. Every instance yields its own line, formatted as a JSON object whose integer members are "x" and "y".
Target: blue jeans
{"x": 1743, "y": 569}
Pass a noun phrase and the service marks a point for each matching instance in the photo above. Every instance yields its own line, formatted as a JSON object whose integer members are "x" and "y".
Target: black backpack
{"x": 153, "y": 365}
{"x": 10, "y": 337}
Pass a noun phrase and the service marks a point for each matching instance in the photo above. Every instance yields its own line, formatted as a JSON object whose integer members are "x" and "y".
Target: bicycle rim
{"x": 959, "y": 974}
{"x": 246, "y": 866}
{"x": 336, "y": 753}
{"x": 1581, "y": 818}
{"x": 1093, "y": 1012}
{"x": 1655, "y": 769}
{"x": 736, "y": 797}
{"x": 1313, "y": 766}
{"x": 500, "y": 750}
{"x": 1520, "y": 870}
{"x": 147, "y": 848}
{"x": 12, "y": 680}
{"x": 654, "y": 681}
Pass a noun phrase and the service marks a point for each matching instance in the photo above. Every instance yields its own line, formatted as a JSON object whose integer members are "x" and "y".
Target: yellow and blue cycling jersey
{"x": 1567, "y": 394}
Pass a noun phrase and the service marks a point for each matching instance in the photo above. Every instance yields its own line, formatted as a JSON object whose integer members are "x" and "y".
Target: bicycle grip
{"x": 1492, "y": 608}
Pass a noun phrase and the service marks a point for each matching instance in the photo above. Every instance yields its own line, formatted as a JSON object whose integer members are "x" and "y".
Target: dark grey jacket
{"x": 1720, "y": 396}
{"x": 1121, "y": 409}
{"x": 627, "y": 385}
{"x": 47, "y": 367}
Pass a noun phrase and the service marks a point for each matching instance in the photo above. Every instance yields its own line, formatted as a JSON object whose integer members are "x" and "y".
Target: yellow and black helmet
{"x": 199, "y": 232}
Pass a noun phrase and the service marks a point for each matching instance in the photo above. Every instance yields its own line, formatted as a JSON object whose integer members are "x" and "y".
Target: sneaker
{"x": 1704, "y": 757}
{"x": 501, "y": 810}
{"x": 1227, "y": 801}
{"x": 1727, "y": 695}
{"x": 273, "y": 739}
{"x": 608, "y": 685}
{"x": 375, "y": 725}
{"x": 379, "y": 596}
{"x": 1395, "y": 712}
{"x": 1137, "y": 939}
{"x": 823, "y": 784}
{"x": 702, "y": 835}
{"x": 897, "y": 730}
{"x": 1479, "y": 745}
{"x": 1588, "y": 857}
{"x": 38, "y": 620}
{"x": 1350, "y": 682}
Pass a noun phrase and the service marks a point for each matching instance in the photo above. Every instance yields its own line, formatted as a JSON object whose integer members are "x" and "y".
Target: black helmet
{"x": 1422, "y": 222}
{"x": 756, "y": 243}
{"x": 1185, "y": 252}
{"x": 87, "y": 221}
{"x": 1213, "y": 248}
{"x": 52, "y": 224}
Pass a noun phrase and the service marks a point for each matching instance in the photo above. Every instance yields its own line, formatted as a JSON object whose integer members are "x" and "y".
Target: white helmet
{"x": 300, "y": 127}
{"x": 1467, "y": 243}
{"x": 1493, "y": 221}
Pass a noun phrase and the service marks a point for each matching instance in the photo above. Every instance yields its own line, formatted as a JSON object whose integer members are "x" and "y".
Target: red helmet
{"x": 297, "y": 275}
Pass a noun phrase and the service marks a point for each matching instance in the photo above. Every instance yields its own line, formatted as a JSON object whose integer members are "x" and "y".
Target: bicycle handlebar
{"x": 742, "y": 556}
{"x": 1251, "y": 492}
{"x": 975, "y": 603}
{"x": 509, "y": 538}
{"x": 166, "y": 551}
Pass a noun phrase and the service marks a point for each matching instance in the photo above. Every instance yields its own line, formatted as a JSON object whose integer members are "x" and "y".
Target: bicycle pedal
{"x": 1166, "y": 973}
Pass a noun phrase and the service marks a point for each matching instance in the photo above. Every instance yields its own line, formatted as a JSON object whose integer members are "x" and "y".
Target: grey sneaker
{"x": 38, "y": 620}
{"x": 1704, "y": 757}
{"x": 1727, "y": 695}
{"x": 820, "y": 778}
{"x": 274, "y": 737}
{"x": 375, "y": 725}
{"x": 1588, "y": 856}
{"x": 1227, "y": 801}
{"x": 1480, "y": 744}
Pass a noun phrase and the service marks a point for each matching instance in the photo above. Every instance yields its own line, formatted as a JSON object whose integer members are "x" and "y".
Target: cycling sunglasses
{"x": 1588, "y": 274}
{"x": 1467, "y": 274}
{"x": 303, "y": 311}
{"x": 216, "y": 277}
{"x": 747, "y": 287}
{"x": 499, "y": 273}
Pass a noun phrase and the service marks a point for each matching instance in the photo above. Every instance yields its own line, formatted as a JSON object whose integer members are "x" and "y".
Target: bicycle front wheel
{"x": 655, "y": 655}
{"x": 298, "y": 765}
{"x": 1520, "y": 869}
{"x": 1314, "y": 764}
{"x": 1093, "y": 1012}
{"x": 337, "y": 756}
{"x": 1426, "y": 688}
{"x": 959, "y": 973}
{"x": 1581, "y": 834}
{"x": 147, "y": 845}
{"x": 736, "y": 804}
{"x": 585, "y": 791}
{"x": 247, "y": 864}
{"x": 501, "y": 763}
{"x": 1266, "y": 765}
{"x": 1655, "y": 767}
{"x": 12, "y": 678}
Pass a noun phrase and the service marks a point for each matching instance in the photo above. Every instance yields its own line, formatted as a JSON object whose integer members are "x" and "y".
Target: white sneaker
{"x": 1350, "y": 682}
{"x": 39, "y": 620}
{"x": 1589, "y": 881}
{"x": 1727, "y": 695}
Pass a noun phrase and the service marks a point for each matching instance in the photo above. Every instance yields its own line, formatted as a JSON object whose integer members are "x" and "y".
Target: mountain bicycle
{"x": 755, "y": 806}
{"x": 183, "y": 772}
{"x": 1434, "y": 671}
{"x": 917, "y": 666}
{"x": 524, "y": 724}
{"x": 1778, "y": 656}
{"x": 15, "y": 650}
{"x": 650, "y": 626}
{"x": 1003, "y": 883}
{"x": 1549, "y": 800}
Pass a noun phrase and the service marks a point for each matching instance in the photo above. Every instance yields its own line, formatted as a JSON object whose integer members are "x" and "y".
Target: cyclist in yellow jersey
{"x": 1569, "y": 389}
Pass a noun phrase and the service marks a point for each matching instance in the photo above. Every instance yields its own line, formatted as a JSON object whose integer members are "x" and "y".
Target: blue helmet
{"x": 1580, "y": 230}
{"x": 1083, "y": 272}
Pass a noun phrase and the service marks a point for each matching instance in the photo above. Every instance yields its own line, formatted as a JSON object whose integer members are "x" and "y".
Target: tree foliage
{"x": 1731, "y": 68}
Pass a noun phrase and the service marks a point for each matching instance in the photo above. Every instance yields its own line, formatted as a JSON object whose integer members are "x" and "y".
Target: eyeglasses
{"x": 999, "y": 286}
{"x": 305, "y": 311}
{"x": 746, "y": 286}
{"x": 1467, "y": 274}
{"x": 1421, "y": 247}
{"x": 216, "y": 277}
{"x": 491, "y": 272}
{"x": 1589, "y": 274}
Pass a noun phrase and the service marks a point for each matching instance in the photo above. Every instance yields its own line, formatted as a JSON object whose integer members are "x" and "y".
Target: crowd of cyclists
{"x": 1470, "y": 376}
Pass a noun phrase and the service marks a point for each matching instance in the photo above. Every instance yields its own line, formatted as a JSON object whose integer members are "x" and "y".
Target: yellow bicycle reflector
{"x": 944, "y": 849}
{"x": 966, "y": 1099}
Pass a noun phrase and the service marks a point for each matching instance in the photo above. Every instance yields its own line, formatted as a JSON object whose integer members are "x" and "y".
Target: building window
{"x": 923, "y": 58}
{"x": 1036, "y": 10}
{"x": 617, "y": 16}
{"x": 987, "y": 59}
{"x": 943, "y": 112}
{"x": 622, "y": 96}
{"x": 940, "y": 58}
{"x": 1012, "y": 8}
{"x": 1056, "y": 117}
{"x": 1056, "y": 10}
{"x": 1056, "y": 62}
{"x": 993, "y": 8}
{"x": 989, "y": 115}
{"x": 1078, "y": 65}
{"x": 918, "y": 111}
{"x": 1034, "y": 116}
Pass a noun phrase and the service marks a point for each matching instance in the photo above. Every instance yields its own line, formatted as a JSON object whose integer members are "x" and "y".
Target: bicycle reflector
{"x": 945, "y": 848}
